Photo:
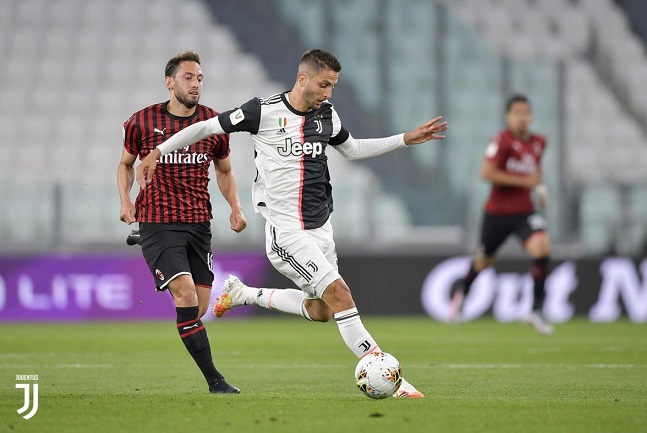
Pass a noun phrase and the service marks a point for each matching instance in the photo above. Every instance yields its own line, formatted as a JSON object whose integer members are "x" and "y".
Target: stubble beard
{"x": 184, "y": 100}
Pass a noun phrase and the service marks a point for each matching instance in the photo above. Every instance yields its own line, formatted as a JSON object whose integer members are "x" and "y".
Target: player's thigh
{"x": 494, "y": 231}
{"x": 296, "y": 255}
{"x": 183, "y": 291}
{"x": 323, "y": 236}
{"x": 200, "y": 258}
{"x": 531, "y": 229}
{"x": 200, "y": 255}
{"x": 165, "y": 258}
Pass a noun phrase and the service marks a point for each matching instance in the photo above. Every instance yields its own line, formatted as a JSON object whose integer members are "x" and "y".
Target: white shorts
{"x": 307, "y": 257}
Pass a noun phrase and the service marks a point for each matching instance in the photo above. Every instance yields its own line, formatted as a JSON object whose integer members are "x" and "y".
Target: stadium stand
{"x": 88, "y": 65}
{"x": 74, "y": 70}
{"x": 604, "y": 97}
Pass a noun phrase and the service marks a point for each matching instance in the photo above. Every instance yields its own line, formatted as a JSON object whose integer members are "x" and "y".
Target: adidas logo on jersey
{"x": 281, "y": 131}
{"x": 297, "y": 149}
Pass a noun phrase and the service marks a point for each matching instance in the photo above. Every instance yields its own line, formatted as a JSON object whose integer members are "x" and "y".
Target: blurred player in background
{"x": 174, "y": 211}
{"x": 291, "y": 131}
{"x": 512, "y": 166}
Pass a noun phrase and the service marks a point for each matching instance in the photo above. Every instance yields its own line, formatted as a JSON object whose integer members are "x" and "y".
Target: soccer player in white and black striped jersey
{"x": 291, "y": 132}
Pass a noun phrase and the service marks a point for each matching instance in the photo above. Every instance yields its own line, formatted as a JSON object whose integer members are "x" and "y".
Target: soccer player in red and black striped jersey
{"x": 512, "y": 165}
{"x": 174, "y": 212}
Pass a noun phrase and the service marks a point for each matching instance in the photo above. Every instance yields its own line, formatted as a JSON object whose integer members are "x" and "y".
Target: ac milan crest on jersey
{"x": 179, "y": 190}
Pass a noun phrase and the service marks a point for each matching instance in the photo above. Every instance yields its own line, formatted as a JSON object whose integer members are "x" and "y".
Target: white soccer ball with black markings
{"x": 378, "y": 375}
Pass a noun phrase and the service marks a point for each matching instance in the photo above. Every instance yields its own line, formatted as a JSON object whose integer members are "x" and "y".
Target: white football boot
{"x": 536, "y": 321}
{"x": 234, "y": 293}
{"x": 407, "y": 390}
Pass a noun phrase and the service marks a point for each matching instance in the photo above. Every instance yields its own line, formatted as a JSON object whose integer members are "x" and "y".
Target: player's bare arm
{"x": 125, "y": 179}
{"x": 491, "y": 173}
{"x": 427, "y": 131}
{"x": 229, "y": 190}
{"x": 146, "y": 168}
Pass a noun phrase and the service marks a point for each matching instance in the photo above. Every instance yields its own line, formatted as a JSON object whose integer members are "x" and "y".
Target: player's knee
{"x": 183, "y": 291}
{"x": 338, "y": 296}
{"x": 542, "y": 251}
{"x": 538, "y": 245}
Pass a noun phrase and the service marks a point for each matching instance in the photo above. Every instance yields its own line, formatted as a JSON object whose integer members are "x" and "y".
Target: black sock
{"x": 194, "y": 337}
{"x": 469, "y": 279}
{"x": 539, "y": 272}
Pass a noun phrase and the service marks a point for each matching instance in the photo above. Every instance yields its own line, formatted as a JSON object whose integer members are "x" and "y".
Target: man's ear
{"x": 302, "y": 78}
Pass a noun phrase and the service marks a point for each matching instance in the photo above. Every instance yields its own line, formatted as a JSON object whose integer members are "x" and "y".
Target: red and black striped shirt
{"x": 179, "y": 191}
{"x": 514, "y": 156}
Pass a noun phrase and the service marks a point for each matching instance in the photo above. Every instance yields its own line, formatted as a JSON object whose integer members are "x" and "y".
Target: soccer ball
{"x": 378, "y": 375}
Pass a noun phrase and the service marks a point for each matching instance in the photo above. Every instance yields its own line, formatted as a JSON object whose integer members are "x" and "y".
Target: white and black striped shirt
{"x": 292, "y": 187}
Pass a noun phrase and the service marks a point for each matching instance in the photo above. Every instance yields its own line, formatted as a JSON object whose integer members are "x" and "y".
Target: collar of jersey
{"x": 284, "y": 98}
{"x": 173, "y": 116}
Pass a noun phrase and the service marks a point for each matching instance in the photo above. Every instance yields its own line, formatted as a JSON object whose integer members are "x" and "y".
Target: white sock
{"x": 286, "y": 300}
{"x": 356, "y": 337}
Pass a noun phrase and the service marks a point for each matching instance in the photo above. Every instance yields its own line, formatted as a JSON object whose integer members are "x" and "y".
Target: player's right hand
{"x": 146, "y": 168}
{"x": 237, "y": 220}
{"x": 127, "y": 213}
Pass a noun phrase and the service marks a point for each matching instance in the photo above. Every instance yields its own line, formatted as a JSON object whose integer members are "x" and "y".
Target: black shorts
{"x": 178, "y": 249}
{"x": 496, "y": 228}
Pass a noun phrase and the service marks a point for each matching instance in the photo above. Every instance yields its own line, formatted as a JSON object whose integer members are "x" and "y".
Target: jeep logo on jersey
{"x": 297, "y": 149}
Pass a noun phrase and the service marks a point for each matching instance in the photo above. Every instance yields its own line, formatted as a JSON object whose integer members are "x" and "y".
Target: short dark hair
{"x": 514, "y": 99}
{"x": 173, "y": 64}
{"x": 319, "y": 60}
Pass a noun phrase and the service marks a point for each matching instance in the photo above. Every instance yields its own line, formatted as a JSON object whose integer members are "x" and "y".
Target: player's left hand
{"x": 427, "y": 131}
{"x": 146, "y": 168}
{"x": 542, "y": 195}
{"x": 237, "y": 220}
{"x": 543, "y": 200}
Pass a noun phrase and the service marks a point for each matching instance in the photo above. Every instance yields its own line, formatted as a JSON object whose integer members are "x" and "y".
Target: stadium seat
{"x": 599, "y": 215}
{"x": 87, "y": 78}
{"x": 638, "y": 233}
{"x": 26, "y": 212}
{"x": 78, "y": 57}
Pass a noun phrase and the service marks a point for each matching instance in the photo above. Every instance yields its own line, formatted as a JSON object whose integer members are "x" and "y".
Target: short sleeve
{"x": 246, "y": 118}
{"x": 132, "y": 136}
{"x": 496, "y": 150}
{"x": 339, "y": 133}
{"x": 221, "y": 150}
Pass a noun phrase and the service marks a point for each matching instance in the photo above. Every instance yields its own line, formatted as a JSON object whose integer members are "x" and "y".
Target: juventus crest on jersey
{"x": 292, "y": 187}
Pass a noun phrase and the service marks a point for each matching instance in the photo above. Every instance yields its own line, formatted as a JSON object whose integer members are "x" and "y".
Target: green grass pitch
{"x": 297, "y": 376}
